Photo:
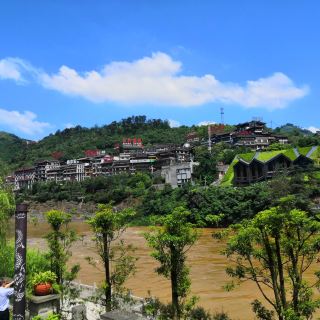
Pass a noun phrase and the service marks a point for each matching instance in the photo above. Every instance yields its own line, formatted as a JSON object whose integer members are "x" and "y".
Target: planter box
{"x": 120, "y": 315}
{"x": 43, "y": 305}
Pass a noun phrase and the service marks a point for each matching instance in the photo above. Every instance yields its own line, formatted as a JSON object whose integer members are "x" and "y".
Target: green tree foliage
{"x": 170, "y": 244}
{"x": 206, "y": 171}
{"x": 154, "y": 309}
{"x": 60, "y": 239}
{"x": 6, "y": 210}
{"x": 36, "y": 261}
{"x": 99, "y": 189}
{"x": 12, "y": 151}
{"x": 108, "y": 226}
{"x": 274, "y": 250}
{"x": 235, "y": 204}
{"x": 297, "y": 136}
{"x": 278, "y": 146}
{"x": 72, "y": 142}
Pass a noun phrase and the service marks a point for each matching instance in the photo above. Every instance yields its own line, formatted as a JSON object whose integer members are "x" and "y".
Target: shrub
{"x": 221, "y": 316}
{"x": 43, "y": 277}
{"x": 36, "y": 261}
{"x": 199, "y": 313}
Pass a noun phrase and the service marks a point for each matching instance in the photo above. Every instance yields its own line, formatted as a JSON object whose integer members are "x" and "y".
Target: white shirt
{"x": 4, "y": 298}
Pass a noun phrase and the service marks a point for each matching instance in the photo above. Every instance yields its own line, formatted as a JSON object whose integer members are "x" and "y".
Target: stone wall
{"x": 36, "y": 209}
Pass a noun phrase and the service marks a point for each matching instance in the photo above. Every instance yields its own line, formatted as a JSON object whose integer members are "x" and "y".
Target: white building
{"x": 178, "y": 174}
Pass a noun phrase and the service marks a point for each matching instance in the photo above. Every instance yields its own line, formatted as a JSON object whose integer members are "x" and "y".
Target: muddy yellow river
{"x": 206, "y": 263}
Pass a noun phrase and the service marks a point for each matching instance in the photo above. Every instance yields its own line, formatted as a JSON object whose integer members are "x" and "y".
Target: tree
{"x": 274, "y": 250}
{"x": 171, "y": 243}
{"x": 6, "y": 209}
{"x": 59, "y": 241}
{"x": 108, "y": 226}
{"x": 206, "y": 170}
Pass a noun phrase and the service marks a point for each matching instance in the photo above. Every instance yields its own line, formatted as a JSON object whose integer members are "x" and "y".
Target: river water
{"x": 206, "y": 263}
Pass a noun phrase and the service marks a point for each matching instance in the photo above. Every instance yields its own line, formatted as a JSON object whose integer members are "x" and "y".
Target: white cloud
{"x": 174, "y": 123}
{"x": 15, "y": 69}
{"x": 205, "y": 123}
{"x": 9, "y": 70}
{"x": 25, "y": 122}
{"x": 158, "y": 80}
{"x": 313, "y": 129}
{"x": 69, "y": 125}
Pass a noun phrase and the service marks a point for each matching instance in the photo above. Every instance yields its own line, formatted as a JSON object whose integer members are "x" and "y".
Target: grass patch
{"x": 290, "y": 154}
{"x": 247, "y": 156}
{"x": 266, "y": 156}
{"x": 228, "y": 177}
{"x": 304, "y": 151}
{"x": 315, "y": 156}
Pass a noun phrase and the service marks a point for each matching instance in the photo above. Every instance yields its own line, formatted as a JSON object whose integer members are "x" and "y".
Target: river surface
{"x": 207, "y": 268}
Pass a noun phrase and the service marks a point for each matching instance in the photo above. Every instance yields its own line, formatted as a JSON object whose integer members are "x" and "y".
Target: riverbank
{"x": 78, "y": 210}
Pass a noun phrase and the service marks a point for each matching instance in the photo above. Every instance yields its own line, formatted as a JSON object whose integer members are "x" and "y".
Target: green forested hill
{"x": 16, "y": 152}
{"x": 72, "y": 142}
{"x": 12, "y": 148}
{"x": 291, "y": 129}
{"x": 297, "y": 136}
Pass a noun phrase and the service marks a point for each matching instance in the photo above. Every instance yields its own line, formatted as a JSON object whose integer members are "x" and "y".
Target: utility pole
{"x": 209, "y": 138}
{"x": 222, "y": 115}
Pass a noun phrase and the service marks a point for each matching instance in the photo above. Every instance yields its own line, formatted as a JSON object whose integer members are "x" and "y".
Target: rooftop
{"x": 292, "y": 153}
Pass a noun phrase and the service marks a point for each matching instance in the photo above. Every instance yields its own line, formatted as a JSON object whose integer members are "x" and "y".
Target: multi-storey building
{"x": 55, "y": 174}
{"x": 98, "y": 163}
{"x": 193, "y": 137}
{"x": 103, "y": 166}
{"x": 42, "y": 167}
{"x": 24, "y": 178}
{"x": 178, "y": 174}
{"x": 74, "y": 171}
{"x": 253, "y": 135}
{"x": 143, "y": 162}
{"x": 121, "y": 166}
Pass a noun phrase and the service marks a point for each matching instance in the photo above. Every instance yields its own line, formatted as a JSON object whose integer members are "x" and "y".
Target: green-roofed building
{"x": 259, "y": 166}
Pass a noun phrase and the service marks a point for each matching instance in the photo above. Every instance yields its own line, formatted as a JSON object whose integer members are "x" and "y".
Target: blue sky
{"x": 64, "y": 63}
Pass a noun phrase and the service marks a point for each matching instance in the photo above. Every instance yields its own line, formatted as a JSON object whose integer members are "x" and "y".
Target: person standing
{"x": 5, "y": 292}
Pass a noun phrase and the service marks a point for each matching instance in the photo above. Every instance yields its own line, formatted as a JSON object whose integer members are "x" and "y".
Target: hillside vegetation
{"x": 12, "y": 148}
{"x": 15, "y": 152}
{"x": 71, "y": 143}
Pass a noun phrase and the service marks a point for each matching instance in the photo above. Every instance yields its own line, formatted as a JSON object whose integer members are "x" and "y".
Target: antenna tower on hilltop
{"x": 209, "y": 138}
{"x": 222, "y": 115}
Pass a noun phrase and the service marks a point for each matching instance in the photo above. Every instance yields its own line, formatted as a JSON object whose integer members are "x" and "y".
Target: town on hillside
{"x": 175, "y": 163}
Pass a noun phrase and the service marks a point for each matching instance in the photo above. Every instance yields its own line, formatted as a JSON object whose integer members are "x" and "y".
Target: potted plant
{"x": 43, "y": 283}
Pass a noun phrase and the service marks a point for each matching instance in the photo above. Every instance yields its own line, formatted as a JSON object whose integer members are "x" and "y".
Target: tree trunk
{"x": 174, "y": 286}
{"x": 273, "y": 274}
{"x": 296, "y": 282}
{"x": 106, "y": 261}
{"x": 281, "y": 274}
